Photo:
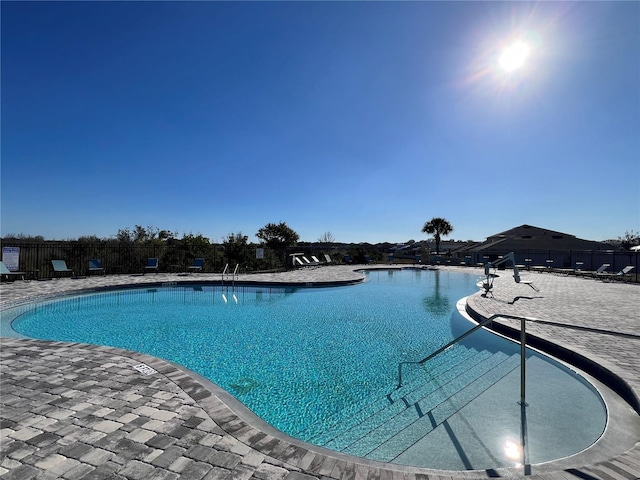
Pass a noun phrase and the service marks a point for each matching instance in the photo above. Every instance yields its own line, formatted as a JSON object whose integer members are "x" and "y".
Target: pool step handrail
{"x": 224, "y": 272}
{"x": 234, "y": 275}
{"x": 469, "y": 332}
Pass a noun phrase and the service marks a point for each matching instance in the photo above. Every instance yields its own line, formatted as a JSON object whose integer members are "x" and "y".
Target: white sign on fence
{"x": 259, "y": 253}
{"x": 11, "y": 258}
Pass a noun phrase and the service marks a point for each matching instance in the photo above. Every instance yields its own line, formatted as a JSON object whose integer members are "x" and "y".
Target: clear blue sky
{"x": 363, "y": 119}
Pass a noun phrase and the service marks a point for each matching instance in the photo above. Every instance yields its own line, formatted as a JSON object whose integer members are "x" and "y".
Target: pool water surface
{"x": 321, "y": 365}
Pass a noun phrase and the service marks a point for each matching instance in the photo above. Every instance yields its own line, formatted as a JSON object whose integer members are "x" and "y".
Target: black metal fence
{"x": 120, "y": 258}
{"x": 559, "y": 259}
{"x": 126, "y": 258}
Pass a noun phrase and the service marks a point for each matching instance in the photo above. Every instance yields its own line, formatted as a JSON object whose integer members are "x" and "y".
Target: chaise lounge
{"x": 4, "y": 271}
{"x": 60, "y": 268}
{"x": 197, "y": 265}
{"x": 152, "y": 264}
{"x": 95, "y": 266}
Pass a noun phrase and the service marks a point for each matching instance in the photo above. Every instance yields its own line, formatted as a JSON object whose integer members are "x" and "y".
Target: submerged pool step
{"x": 383, "y": 425}
{"x": 358, "y": 412}
{"x": 431, "y": 403}
{"x": 390, "y": 440}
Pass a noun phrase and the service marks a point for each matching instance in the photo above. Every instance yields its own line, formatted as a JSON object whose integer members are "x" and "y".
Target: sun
{"x": 514, "y": 56}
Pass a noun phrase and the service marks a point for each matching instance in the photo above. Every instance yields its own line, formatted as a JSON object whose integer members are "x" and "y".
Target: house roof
{"x": 527, "y": 237}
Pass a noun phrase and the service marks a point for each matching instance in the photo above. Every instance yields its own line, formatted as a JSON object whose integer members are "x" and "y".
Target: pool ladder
{"x": 523, "y": 347}
{"x": 233, "y": 275}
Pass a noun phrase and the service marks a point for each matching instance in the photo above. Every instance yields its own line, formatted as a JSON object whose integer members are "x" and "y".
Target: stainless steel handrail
{"x": 484, "y": 322}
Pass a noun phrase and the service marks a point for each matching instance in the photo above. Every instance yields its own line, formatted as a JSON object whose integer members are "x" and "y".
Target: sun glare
{"x": 514, "y": 56}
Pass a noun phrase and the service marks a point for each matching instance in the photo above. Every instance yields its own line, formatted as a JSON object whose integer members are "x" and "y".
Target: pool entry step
{"x": 385, "y": 428}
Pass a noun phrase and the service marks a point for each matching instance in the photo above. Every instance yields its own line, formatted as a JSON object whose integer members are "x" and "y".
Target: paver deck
{"x": 79, "y": 411}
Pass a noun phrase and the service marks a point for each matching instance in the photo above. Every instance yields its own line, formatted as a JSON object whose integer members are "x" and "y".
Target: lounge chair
{"x": 347, "y": 259}
{"x": 309, "y": 263}
{"x": 367, "y": 259}
{"x": 152, "y": 264}
{"x": 60, "y": 268}
{"x": 602, "y": 269}
{"x": 95, "y": 266}
{"x": 4, "y": 271}
{"x": 616, "y": 276}
{"x": 317, "y": 262}
{"x": 297, "y": 262}
{"x": 327, "y": 257}
{"x": 197, "y": 265}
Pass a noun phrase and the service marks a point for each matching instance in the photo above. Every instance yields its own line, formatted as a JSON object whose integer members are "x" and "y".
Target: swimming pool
{"x": 321, "y": 365}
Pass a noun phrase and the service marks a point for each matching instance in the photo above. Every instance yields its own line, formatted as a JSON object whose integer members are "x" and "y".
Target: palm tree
{"x": 437, "y": 227}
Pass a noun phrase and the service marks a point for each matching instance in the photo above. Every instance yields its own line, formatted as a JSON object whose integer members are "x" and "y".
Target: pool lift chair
{"x": 487, "y": 283}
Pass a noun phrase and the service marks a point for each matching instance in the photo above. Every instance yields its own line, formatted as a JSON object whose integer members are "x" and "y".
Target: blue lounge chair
{"x": 95, "y": 266}
{"x": 197, "y": 265}
{"x": 60, "y": 268}
{"x": 4, "y": 271}
{"x": 347, "y": 259}
{"x": 152, "y": 264}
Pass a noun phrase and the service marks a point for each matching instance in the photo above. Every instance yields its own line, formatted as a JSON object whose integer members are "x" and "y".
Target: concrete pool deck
{"x": 81, "y": 411}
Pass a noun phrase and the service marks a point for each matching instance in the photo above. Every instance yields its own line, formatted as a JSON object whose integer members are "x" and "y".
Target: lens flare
{"x": 514, "y": 56}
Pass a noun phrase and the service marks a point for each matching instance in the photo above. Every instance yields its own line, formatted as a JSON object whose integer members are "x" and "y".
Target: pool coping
{"x": 312, "y": 460}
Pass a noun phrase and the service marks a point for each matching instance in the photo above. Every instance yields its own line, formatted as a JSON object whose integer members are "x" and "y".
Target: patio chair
{"x": 616, "y": 276}
{"x": 95, "y": 266}
{"x": 585, "y": 273}
{"x": 297, "y": 262}
{"x": 60, "y": 268}
{"x": 347, "y": 259}
{"x": 309, "y": 263}
{"x": 152, "y": 264}
{"x": 197, "y": 265}
{"x": 4, "y": 271}
{"x": 327, "y": 257}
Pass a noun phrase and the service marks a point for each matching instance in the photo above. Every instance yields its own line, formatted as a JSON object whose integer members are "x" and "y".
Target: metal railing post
{"x": 523, "y": 359}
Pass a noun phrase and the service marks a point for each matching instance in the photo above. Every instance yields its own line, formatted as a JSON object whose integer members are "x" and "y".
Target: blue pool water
{"x": 321, "y": 364}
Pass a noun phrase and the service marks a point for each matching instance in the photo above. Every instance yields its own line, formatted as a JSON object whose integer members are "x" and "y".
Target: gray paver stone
{"x": 96, "y": 457}
{"x": 201, "y": 453}
{"x": 299, "y": 476}
{"x": 75, "y": 450}
{"x": 217, "y": 473}
{"x": 195, "y": 471}
{"x": 78, "y": 471}
{"x": 267, "y": 471}
{"x": 23, "y": 472}
{"x": 169, "y": 456}
{"x": 137, "y": 470}
{"x": 225, "y": 460}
